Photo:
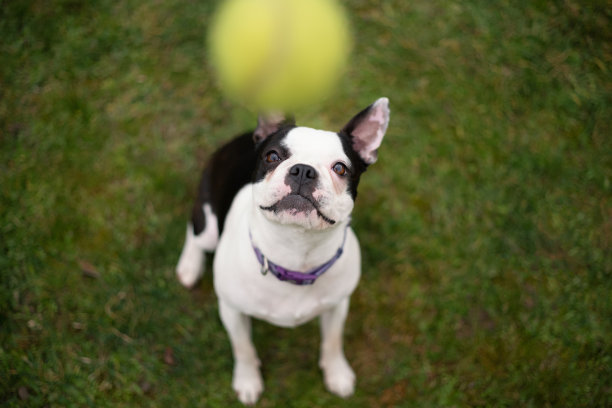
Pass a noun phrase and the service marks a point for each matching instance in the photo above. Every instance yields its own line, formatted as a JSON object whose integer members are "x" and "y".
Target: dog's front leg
{"x": 339, "y": 377}
{"x": 247, "y": 380}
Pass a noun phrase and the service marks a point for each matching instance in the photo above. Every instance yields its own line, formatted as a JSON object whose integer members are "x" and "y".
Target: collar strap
{"x": 295, "y": 277}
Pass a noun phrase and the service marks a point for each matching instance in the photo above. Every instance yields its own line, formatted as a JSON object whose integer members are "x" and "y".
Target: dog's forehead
{"x": 314, "y": 144}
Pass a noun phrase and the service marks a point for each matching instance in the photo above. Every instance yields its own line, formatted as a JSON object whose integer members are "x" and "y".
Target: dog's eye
{"x": 340, "y": 169}
{"x": 272, "y": 157}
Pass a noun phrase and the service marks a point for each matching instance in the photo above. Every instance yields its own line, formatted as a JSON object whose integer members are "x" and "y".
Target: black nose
{"x": 303, "y": 173}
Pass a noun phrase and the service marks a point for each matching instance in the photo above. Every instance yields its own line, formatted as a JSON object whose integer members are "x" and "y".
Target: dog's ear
{"x": 270, "y": 123}
{"x": 368, "y": 128}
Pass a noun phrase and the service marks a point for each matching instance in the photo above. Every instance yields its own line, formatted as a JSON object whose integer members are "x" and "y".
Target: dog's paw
{"x": 247, "y": 383}
{"x": 339, "y": 377}
{"x": 188, "y": 273}
{"x": 190, "y": 267}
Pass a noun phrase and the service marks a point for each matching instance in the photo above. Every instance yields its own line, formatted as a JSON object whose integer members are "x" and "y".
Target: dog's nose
{"x": 303, "y": 173}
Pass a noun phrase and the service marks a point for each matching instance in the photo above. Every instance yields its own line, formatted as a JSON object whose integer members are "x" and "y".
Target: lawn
{"x": 486, "y": 224}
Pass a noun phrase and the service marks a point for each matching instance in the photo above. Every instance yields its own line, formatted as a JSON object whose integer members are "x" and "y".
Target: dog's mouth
{"x": 297, "y": 203}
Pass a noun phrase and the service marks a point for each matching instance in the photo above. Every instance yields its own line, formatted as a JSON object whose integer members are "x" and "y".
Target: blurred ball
{"x": 279, "y": 55}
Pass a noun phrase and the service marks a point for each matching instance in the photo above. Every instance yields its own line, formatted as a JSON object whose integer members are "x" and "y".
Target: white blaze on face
{"x": 320, "y": 150}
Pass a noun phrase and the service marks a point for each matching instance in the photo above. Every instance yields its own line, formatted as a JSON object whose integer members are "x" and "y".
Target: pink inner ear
{"x": 368, "y": 135}
{"x": 268, "y": 124}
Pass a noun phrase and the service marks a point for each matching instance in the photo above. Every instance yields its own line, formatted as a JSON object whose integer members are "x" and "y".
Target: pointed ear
{"x": 270, "y": 123}
{"x": 367, "y": 129}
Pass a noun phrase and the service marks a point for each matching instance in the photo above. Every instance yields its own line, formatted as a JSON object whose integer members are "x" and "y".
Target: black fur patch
{"x": 229, "y": 169}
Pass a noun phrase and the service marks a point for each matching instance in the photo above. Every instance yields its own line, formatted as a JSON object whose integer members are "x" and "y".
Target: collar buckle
{"x": 264, "y": 266}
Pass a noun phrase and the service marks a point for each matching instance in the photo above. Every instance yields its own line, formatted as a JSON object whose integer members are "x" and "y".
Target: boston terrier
{"x": 275, "y": 204}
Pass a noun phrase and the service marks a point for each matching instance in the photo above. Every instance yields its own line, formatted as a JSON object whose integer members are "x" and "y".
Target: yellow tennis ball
{"x": 279, "y": 54}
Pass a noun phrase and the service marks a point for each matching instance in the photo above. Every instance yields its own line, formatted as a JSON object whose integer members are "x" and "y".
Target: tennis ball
{"x": 279, "y": 55}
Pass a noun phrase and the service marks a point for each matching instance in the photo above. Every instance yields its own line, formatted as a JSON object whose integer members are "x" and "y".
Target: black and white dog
{"x": 275, "y": 205}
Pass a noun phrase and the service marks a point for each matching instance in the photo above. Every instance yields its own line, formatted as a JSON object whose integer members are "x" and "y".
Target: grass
{"x": 486, "y": 224}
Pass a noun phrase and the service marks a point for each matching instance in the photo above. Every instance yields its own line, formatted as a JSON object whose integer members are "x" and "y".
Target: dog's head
{"x": 308, "y": 177}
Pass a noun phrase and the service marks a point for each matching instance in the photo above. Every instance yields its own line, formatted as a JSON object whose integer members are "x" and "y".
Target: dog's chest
{"x": 265, "y": 297}
{"x": 285, "y": 307}
{"x": 239, "y": 281}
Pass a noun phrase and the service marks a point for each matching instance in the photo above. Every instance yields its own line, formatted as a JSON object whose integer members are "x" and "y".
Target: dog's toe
{"x": 248, "y": 384}
{"x": 190, "y": 268}
{"x": 339, "y": 378}
{"x": 188, "y": 276}
{"x": 341, "y": 385}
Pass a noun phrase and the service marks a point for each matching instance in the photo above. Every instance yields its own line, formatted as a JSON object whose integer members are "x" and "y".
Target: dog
{"x": 275, "y": 205}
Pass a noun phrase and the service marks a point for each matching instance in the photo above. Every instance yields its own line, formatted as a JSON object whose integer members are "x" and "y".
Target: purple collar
{"x": 295, "y": 277}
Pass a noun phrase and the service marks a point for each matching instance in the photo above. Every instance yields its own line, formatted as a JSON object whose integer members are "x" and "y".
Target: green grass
{"x": 486, "y": 224}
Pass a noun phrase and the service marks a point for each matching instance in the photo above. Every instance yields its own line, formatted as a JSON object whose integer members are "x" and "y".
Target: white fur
{"x": 238, "y": 280}
{"x": 191, "y": 263}
{"x": 339, "y": 377}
